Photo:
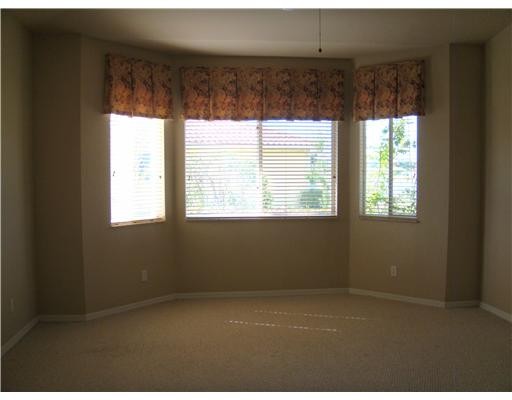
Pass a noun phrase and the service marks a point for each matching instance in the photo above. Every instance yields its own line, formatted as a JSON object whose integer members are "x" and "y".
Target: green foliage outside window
{"x": 377, "y": 197}
{"x": 318, "y": 194}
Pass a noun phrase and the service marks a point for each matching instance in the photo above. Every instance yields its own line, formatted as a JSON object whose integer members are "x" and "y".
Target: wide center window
{"x": 260, "y": 169}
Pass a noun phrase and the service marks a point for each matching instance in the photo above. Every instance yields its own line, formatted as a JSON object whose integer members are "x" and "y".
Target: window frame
{"x": 136, "y": 222}
{"x": 362, "y": 176}
{"x": 335, "y": 130}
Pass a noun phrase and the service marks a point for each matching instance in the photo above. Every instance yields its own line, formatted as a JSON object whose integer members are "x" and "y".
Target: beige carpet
{"x": 306, "y": 343}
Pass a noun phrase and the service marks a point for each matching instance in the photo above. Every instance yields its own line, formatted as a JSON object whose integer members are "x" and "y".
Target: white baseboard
{"x": 196, "y": 295}
{"x": 62, "y": 317}
{"x": 462, "y": 304}
{"x": 253, "y": 293}
{"x": 259, "y": 293}
{"x": 19, "y": 335}
{"x": 398, "y": 297}
{"x": 106, "y": 312}
{"x": 303, "y": 292}
{"x": 128, "y": 307}
{"x": 250, "y": 293}
{"x": 496, "y": 311}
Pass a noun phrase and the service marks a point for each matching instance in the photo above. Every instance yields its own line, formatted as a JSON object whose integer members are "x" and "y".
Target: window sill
{"x": 276, "y": 218}
{"x": 378, "y": 218}
{"x": 139, "y": 222}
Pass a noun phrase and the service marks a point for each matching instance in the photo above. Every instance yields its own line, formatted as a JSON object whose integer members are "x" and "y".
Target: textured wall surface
{"x": 419, "y": 250}
{"x": 18, "y": 273}
{"x": 497, "y": 261}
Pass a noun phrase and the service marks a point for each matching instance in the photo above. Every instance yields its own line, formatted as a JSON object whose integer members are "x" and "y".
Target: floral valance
{"x": 261, "y": 93}
{"x": 390, "y": 90}
{"x": 137, "y": 88}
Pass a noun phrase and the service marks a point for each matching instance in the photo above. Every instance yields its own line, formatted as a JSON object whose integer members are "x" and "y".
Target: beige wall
{"x": 497, "y": 260}
{"x": 208, "y": 255}
{"x": 466, "y": 143}
{"x": 418, "y": 249}
{"x": 262, "y": 254}
{"x": 18, "y": 274}
{"x": 114, "y": 257}
{"x": 85, "y": 265}
{"x": 57, "y": 171}
{"x": 438, "y": 257}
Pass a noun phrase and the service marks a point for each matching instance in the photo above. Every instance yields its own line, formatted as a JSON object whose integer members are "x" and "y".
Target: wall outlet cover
{"x": 144, "y": 275}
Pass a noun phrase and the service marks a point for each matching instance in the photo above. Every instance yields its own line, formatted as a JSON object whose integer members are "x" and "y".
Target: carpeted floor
{"x": 302, "y": 343}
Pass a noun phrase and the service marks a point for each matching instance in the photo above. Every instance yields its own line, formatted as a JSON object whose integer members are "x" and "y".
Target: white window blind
{"x": 389, "y": 167}
{"x": 244, "y": 169}
{"x": 137, "y": 183}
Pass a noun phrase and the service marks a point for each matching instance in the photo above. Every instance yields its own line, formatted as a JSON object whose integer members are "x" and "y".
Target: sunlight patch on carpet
{"x": 311, "y": 315}
{"x": 271, "y": 325}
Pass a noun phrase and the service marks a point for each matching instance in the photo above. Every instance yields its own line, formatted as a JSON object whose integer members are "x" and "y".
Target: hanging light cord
{"x": 319, "y": 30}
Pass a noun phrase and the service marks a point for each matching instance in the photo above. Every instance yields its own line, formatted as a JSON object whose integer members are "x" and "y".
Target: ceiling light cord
{"x": 319, "y": 30}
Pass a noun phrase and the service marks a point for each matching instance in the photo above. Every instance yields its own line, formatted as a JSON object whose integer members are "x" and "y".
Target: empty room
{"x": 256, "y": 200}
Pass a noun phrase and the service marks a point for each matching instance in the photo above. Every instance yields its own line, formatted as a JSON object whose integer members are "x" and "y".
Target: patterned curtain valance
{"x": 261, "y": 93}
{"x": 137, "y": 88}
{"x": 390, "y": 90}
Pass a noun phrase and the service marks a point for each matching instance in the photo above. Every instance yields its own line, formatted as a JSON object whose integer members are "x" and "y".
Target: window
{"x": 137, "y": 191}
{"x": 389, "y": 167}
{"x": 244, "y": 169}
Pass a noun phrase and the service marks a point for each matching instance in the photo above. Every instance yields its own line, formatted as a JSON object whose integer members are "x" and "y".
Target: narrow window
{"x": 137, "y": 183}
{"x": 389, "y": 168}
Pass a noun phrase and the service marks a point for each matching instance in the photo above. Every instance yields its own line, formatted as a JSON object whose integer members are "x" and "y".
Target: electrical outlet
{"x": 144, "y": 275}
{"x": 11, "y": 304}
{"x": 393, "y": 270}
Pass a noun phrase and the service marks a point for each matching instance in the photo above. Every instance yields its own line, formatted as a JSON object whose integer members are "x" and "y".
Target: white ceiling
{"x": 277, "y": 32}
